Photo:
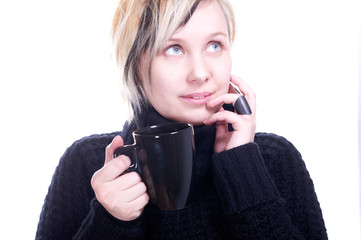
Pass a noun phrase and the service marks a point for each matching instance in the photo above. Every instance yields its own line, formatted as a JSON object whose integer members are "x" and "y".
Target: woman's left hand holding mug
{"x": 122, "y": 195}
{"x": 244, "y": 125}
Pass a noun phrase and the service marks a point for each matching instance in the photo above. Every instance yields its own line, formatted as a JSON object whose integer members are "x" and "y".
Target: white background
{"x": 58, "y": 84}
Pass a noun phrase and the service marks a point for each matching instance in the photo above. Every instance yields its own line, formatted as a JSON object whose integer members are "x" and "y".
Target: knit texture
{"x": 260, "y": 190}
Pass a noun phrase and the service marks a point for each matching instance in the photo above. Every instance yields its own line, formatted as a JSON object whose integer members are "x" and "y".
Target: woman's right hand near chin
{"x": 123, "y": 196}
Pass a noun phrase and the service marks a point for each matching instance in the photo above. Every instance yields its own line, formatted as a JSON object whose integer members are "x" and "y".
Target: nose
{"x": 199, "y": 70}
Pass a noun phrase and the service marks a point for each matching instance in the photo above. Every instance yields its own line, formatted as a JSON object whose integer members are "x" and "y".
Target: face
{"x": 193, "y": 67}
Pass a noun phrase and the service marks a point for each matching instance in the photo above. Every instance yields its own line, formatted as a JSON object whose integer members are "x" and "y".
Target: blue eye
{"x": 214, "y": 47}
{"x": 174, "y": 50}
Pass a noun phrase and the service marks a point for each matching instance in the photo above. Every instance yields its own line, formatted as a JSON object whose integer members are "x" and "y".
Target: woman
{"x": 175, "y": 57}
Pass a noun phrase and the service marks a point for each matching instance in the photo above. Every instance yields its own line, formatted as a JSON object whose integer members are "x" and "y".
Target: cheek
{"x": 226, "y": 66}
{"x": 166, "y": 75}
{"x": 223, "y": 72}
{"x": 160, "y": 70}
{"x": 161, "y": 88}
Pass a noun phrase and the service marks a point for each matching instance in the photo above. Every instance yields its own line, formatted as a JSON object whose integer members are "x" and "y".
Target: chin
{"x": 196, "y": 118}
{"x": 193, "y": 116}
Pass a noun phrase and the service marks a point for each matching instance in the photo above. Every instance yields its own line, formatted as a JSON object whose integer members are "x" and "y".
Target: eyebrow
{"x": 210, "y": 35}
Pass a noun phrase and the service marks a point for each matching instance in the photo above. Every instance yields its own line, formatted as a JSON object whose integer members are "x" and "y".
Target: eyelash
{"x": 215, "y": 42}
{"x": 219, "y": 43}
{"x": 178, "y": 46}
{"x": 166, "y": 49}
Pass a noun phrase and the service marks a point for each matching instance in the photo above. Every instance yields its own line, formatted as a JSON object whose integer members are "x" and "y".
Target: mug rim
{"x": 184, "y": 126}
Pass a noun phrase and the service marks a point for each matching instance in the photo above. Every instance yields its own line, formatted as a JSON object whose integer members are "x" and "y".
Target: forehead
{"x": 208, "y": 18}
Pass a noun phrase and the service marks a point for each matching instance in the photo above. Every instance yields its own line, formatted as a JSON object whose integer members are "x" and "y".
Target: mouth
{"x": 200, "y": 98}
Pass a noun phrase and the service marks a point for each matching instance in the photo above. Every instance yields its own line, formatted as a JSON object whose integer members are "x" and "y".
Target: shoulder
{"x": 89, "y": 151}
{"x": 280, "y": 155}
{"x": 92, "y": 143}
{"x": 96, "y": 142}
{"x": 271, "y": 142}
{"x": 276, "y": 147}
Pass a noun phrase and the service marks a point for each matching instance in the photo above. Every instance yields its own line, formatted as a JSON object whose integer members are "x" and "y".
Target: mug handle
{"x": 133, "y": 149}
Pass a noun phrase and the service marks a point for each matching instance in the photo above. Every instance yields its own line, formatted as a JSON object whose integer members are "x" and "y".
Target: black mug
{"x": 163, "y": 155}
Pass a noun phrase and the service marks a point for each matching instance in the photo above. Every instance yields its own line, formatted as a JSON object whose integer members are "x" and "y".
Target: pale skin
{"x": 201, "y": 76}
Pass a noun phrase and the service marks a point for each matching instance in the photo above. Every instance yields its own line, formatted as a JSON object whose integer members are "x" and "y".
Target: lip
{"x": 197, "y": 98}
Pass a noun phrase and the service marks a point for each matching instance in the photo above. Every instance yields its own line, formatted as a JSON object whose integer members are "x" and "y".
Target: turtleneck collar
{"x": 204, "y": 135}
{"x": 149, "y": 116}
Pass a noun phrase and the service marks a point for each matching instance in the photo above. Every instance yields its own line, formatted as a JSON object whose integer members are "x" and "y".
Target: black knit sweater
{"x": 260, "y": 190}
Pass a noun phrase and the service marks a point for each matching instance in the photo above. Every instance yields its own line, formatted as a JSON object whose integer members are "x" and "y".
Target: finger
{"x": 242, "y": 85}
{"x": 113, "y": 169}
{"x": 246, "y": 91}
{"x": 109, "y": 150}
{"x": 221, "y": 128}
{"x": 141, "y": 201}
{"x": 138, "y": 205}
{"x": 127, "y": 180}
{"x": 227, "y": 116}
{"x": 135, "y": 192}
{"x": 225, "y": 98}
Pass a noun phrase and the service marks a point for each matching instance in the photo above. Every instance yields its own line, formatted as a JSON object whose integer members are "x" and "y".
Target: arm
{"x": 269, "y": 196}
{"x": 99, "y": 224}
{"x": 70, "y": 208}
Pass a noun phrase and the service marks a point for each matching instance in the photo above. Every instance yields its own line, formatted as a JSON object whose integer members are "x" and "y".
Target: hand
{"x": 123, "y": 196}
{"x": 244, "y": 125}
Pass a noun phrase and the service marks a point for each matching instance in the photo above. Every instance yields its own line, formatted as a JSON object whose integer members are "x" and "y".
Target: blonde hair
{"x": 140, "y": 28}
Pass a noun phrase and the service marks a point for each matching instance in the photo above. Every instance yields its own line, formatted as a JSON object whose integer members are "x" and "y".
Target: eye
{"x": 174, "y": 50}
{"x": 214, "y": 47}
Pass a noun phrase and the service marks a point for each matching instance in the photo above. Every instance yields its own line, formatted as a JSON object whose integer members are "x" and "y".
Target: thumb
{"x": 109, "y": 150}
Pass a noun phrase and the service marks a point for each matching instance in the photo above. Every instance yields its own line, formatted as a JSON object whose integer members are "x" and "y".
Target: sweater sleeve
{"x": 70, "y": 210}
{"x": 267, "y": 195}
{"x": 100, "y": 225}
